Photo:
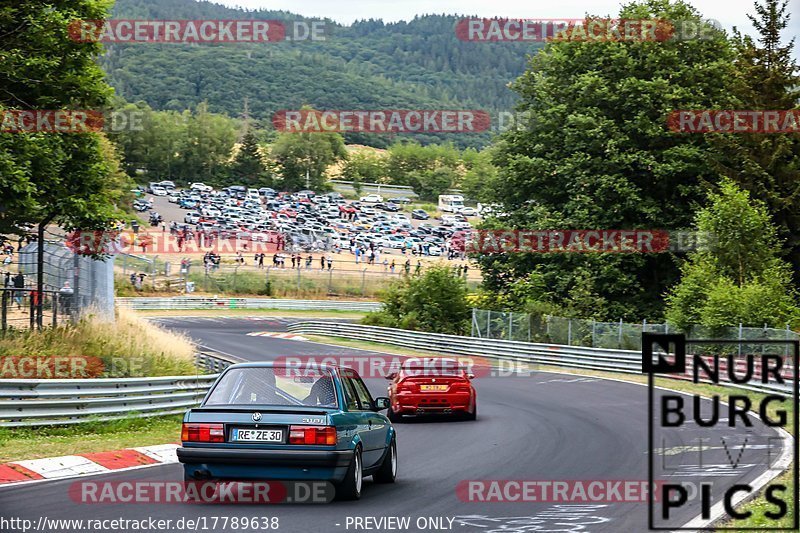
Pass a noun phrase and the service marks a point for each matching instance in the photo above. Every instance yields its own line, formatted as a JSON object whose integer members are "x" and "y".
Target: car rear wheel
{"x": 350, "y": 488}
{"x": 393, "y": 417}
{"x": 473, "y": 415}
{"x": 388, "y": 470}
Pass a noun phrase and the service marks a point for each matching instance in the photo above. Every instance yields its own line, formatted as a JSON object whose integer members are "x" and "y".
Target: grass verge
{"x": 756, "y": 506}
{"x": 34, "y": 443}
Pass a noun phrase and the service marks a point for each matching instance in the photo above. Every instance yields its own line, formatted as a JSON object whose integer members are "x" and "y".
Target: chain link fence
{"x": 73, "y": 285}
{"x": 619, "y": 335}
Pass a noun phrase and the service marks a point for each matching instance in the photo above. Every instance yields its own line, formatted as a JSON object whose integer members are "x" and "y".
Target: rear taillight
{"x": 460, "y": 387}
{"x": 406, "y": 386}
{"x": 203, "y": 433}
{"x": 325, "y": 435}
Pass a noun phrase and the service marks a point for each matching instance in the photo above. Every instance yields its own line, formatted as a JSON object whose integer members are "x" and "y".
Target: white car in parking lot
{"x": 468, "y": 211}
{"x": 191, "y": 217}
{"x": 372, "y": 198}
{"x": 159, "y": 191}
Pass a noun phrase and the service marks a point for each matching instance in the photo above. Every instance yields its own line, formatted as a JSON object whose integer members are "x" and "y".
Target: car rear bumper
{"x": 454, "y": 402}
{"x": 221, "y": 463}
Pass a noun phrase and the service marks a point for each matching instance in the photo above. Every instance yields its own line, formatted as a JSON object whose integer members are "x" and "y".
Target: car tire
{"x": 350, "y": 488}
{"x": 388, "y": 470}
{"x": 473, "y": 415}
{"x": 393, "y": 416}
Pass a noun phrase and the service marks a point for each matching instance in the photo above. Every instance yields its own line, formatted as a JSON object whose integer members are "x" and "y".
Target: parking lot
{"x": 235, "y": 225}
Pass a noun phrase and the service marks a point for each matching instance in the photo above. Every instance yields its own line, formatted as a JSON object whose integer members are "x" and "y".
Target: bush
{"x": 740, "y": 279}
{"x": 435, "y": 301}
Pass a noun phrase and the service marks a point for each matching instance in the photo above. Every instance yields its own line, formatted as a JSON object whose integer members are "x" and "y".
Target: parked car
{"x": 323, "y": 424}
{"x": 389, "y": 206}
{"x": 468, "y": 211}
{"x": 431, "y": 386}
{"x": 191, "y": 217}
{"x": 159, "y": 191}
{"x": 420, "y": 214}
{"x": 400, "y": 200}
{"x": 372, "y": 198}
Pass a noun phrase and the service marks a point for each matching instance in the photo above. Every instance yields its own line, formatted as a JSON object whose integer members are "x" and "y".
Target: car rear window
{"x": 435, "y": 367}
{"x": 274, "y": 386}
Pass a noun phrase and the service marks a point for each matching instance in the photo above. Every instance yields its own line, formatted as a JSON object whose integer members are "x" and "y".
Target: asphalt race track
{"x": 544, "y": 426}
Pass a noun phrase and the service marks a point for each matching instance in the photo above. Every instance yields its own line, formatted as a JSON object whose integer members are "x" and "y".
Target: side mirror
{"x": 382, "y": 403}
{"x": 390, "y": 376}
{"x": 470, "y": 375}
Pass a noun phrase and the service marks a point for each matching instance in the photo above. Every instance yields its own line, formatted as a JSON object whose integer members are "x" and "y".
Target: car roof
{"x": 269, "y": 364}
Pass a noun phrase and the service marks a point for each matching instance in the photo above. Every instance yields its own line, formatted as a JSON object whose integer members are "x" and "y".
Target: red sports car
{"x": 431, "y": 386}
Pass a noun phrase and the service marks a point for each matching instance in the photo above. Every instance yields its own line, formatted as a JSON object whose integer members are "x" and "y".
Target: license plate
{"x": 257, "y": 435}
{"x": 433, "y": 388}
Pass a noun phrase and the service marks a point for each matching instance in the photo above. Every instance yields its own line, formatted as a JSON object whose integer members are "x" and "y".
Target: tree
{"x": 409, "y": 159}
{"x": 248, "y": 167}
{"x": 430, "y": 184}
{"x": 596, "y": 154}
{"x": 55, "y": 178}
{"x": 768, "y": 165}
{"x": 303, "y": 158}
{"x": 364, "y": 167}
{"x": 740, "y": 278}
{"x": 479, "y": 181}
{"x": 210, "y": 139}
{"x": 434, "y": 301}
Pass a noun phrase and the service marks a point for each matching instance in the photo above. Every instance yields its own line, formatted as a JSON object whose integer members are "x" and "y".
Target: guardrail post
{"x": 569, "y": 332}
{"x": 620, "y": 334}
{"x": 4, "y": 311}
{"x": 510, "y": 324}
{"x": 489, "y": 324}
{"x": 594, "y": 323}
{"x": 740, "y": 338}
{"x": 363, "y": 281}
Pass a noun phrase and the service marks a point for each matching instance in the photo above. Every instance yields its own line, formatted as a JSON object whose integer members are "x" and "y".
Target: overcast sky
{"x": 728, "y": 12}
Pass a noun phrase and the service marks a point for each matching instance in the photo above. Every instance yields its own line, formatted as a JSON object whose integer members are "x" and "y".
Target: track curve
{"x": 546, "y": 426}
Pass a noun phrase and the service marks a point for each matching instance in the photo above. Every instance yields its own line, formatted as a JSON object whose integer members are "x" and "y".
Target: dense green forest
{"x": 419, "y": 64}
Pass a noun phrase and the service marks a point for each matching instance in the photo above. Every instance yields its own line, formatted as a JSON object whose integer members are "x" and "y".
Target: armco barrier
{"x": 53, "y": 402}
{"x": 193, "y": 302}
{"x": 624, "y": 361}
{"x": 43, "y": 402}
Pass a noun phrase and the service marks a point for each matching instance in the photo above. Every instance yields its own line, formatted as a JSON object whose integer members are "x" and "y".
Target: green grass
{"x": 34, "y": 443}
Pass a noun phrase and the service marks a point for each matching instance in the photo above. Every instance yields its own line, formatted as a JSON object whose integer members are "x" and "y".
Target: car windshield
{"x": 274, "y": 386}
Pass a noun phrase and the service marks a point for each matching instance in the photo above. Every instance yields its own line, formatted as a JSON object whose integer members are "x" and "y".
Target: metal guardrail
{"x": 44, "y": 402}
{"x": 191, "y": 303}
{"x": 601, "y": 359}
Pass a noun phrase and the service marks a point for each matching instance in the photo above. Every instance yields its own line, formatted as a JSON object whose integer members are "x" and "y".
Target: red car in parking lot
{"x": 431, "y": 386}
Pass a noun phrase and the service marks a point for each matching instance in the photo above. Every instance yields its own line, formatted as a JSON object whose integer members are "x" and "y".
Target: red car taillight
{"x": 460, "y": 387}
{"x": 324, "y": 435}
{"x": 203, "y": 433}
{"x": 406, "y": 386}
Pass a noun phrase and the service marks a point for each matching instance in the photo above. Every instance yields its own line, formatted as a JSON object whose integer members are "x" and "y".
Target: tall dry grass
{"x": 128, "y": 347}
